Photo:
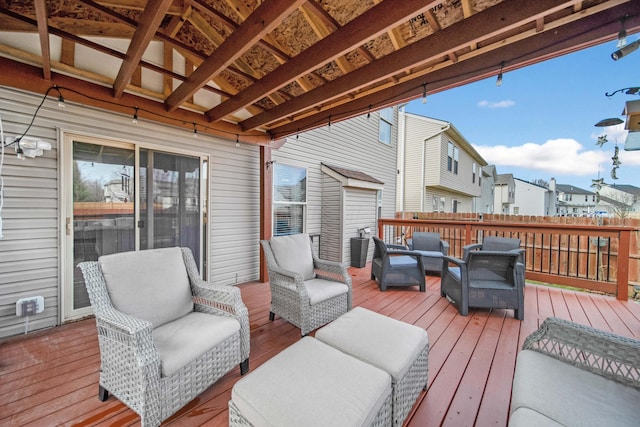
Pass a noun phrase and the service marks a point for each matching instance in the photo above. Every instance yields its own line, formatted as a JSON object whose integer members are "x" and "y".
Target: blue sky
{"x": 540, "y": 122}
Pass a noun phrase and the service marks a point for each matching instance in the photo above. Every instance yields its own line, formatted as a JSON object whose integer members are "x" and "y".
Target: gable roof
{"x": 352, "y": 178}
{"x": 570, "y": 189}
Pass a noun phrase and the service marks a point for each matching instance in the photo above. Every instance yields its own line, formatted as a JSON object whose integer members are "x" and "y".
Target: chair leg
{"x": 272, "y": 316}
{"x": 244, "y": 366}
{"x": 103, "y": 394}
{"x": 519, "y": 314}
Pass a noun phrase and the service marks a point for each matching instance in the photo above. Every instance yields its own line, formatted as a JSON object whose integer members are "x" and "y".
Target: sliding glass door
{"x": 122, "y": 197}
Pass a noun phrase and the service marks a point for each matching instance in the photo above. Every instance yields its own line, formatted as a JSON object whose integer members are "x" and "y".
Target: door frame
{"x": 65, "y": 206}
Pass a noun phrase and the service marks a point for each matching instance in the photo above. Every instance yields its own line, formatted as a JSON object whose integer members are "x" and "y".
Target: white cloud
{"x": 560, "y": 156}
{"x": 500, "y": 104}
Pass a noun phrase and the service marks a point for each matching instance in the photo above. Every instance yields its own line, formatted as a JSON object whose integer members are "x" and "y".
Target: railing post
{"x": 622, "y": 277}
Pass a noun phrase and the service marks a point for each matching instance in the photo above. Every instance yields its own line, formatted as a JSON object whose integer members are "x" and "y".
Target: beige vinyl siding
{"x": 351, "y": 144}
{"x": 31, "y": 251}
{"x": 413, "y": 175}
{"x": 360, "y": 212}
{"x": 331, "y": 229}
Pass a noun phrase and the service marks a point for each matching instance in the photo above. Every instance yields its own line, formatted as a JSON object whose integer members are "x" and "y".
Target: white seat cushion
{"x": 525, "y": 417}
{"x": 152, "y": 285}
{"x": 312, "y": 384}
{"x": 386, "y": 343}
{"x": 571, "y": 396}
{"x": 293, "y": 253}
{"x": 320, "y": 290}
{"x": 181, "y": 341}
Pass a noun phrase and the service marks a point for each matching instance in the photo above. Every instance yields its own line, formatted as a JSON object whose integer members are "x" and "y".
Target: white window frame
{"x": 276, "y": 203}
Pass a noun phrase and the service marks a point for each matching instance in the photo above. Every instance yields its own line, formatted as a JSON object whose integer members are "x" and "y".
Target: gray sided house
{"x": 575, "y": 201}
{"x": 109, "y": 185}
{"x": 438, "y": 169}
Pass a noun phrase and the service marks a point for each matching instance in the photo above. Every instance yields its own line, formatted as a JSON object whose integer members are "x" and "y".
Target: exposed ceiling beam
{"x": 478, "y": 27}
{"x": 365, "y": 27}
{"x": 262, "y": 21}
{"x": 43, "y": 33}
{"x": 150, "y": 21}
{"x": 28, "y": 77}
{"x": 576, "y": 35}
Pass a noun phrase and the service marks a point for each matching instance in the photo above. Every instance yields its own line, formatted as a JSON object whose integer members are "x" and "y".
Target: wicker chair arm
{"x": 413, "y": 254}
{"x": 393, "y": 247}
{"x": 603, "y": 353}
{"x": 331, "y": 270}
{"x": 451, "y": 259}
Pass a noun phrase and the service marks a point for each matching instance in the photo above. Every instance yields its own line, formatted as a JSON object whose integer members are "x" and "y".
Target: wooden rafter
{"x": 369, "y": 25}
{"x": 427, "y": 50}
{"x": 43, "y": 33}
{"x": 259, "y": 23}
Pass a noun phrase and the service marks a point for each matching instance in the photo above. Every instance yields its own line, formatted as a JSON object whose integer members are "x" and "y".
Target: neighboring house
{"x": 619, "y": 199}
{"x": 504, "y": 194}
{"x": 438, "y": 169}
{"x": 205, "y": 193}
{"x": 530, "y": 199}
{"x": 484, "y": 203}
{"x": 575, "y": 201}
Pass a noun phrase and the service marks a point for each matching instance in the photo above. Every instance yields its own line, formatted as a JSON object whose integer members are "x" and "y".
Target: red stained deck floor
{"x": 50, "y": 377}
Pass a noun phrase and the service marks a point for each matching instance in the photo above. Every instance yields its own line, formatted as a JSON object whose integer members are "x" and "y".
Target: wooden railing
{"x": 589, "y": 257}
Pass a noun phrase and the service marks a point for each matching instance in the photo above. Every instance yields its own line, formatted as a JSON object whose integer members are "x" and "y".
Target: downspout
{"x": 400, "y": 161}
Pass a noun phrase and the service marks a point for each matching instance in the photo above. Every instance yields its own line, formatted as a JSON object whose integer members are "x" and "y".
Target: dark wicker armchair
{"x": 432, "y": 249}
{"x": 394, "y": 265}
{"x": 495, "y": 243}
{"x": 488, "y": 279}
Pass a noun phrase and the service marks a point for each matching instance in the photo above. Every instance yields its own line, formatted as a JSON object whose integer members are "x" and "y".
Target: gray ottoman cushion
{"x": 571, "y": 396}
{"x": 387, "y": 343}
{"x": 312, "y": 384}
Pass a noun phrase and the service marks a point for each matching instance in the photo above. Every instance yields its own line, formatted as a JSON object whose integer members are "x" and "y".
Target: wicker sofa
{"x": 573, "y": 375}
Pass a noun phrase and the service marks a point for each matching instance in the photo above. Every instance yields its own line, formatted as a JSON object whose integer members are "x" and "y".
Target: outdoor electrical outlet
{"x": 29, "y": 306}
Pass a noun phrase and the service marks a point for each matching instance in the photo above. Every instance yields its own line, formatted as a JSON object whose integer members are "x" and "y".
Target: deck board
{"x": 50, "y": 377}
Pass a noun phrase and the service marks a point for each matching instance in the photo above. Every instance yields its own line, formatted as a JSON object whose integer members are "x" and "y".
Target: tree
{"x": 541, "y": 182}
{"x": 80, "y": 190}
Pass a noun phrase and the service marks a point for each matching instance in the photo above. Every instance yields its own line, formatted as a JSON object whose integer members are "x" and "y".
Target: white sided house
{"x": 438, "y": 169}
{"x": 108, "y": 185}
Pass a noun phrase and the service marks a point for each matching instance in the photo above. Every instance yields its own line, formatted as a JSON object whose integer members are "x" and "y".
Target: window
{"x": 379, "y": 203}
{"x": 289, "y": 199}
{"x": 436, "y": 201}
{"x": 442, "y": 203}
{"x": 386, "y": 122}
{"x": 473, "y": 173}
{"x": 455, "y": 160}
{"x": 450, "y": 157}
{"x": 454, "y": 206}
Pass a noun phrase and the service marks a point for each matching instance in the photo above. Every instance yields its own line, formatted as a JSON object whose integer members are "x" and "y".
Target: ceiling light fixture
{"x": 626, "y": 50}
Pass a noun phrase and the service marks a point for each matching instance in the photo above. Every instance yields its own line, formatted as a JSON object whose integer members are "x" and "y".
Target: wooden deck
{"x": 51, "y": 377}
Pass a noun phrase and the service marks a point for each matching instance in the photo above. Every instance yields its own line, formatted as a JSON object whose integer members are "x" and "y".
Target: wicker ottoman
{"x": 396, "y": 347}
{"x": 312, "y": 384}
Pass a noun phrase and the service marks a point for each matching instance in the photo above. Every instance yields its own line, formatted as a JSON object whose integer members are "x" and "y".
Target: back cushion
{"x": 426, "y": 241}
{"x": 293, "y": 253}
{"x": 492, "y": 243}
{"x": 152, "y": 284}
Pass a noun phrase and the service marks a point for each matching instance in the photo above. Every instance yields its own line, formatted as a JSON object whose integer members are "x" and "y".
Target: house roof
{"x": 353, "y": 174}
{"x": 630, "y": 189}
{"x": 570, "y": 189}
{"x": 503, "y": 178}
{"x": 262, "y": 70}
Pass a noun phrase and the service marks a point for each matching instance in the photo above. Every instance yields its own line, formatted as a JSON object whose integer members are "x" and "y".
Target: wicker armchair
{"x": 432, "y": 249}
{"x": 575, "y": 375}
{"x": 488, "y": 279}
{"x": 394, "y": 265}
{"x": 305, "y": 290}
{"x": 165, "y": 335}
